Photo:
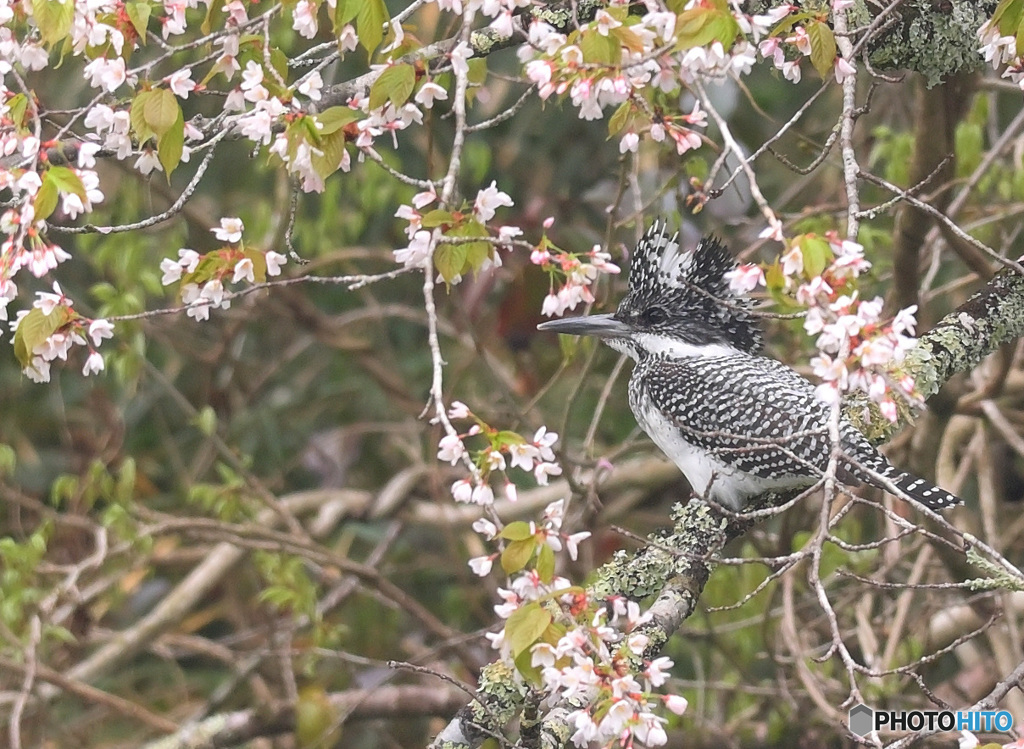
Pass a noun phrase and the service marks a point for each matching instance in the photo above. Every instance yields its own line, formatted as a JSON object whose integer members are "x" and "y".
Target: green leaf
{"x": 17, "y": 106}
{"x": 546, "y": 563}
{"x": 699, "y": 27}
{"x": 436, "y": 218}
{"x": 530, "y": 672}
{"x": 787, "y": 23}
{"x": 63, "y": 489}
{"x": 598, "y": 49}
{"x": 136, "y": 115}
{"x": 395, "y": 83}
{"x": 35, "y": 327}
{"x": 518, "y": 554}
{"x": 206, "y": 420}
{"x": 170, "y": 145}
{"x": 697, "y": 166}
{"x": 138, "y": 14}
{"x": 302, "y": 129}
{"x": 1007, "y": 16}
{"x": 259, "y": 264}
{"x": 817, "y": 253}
{"x": 332, "y": 149}
{"x": 210, "y": 265}
{"x": 516, "y": 531}
{"x": 54, "y": 18}
{"x": 161, "y": 111}
{"x": 46, "y": 199}
{"x": 214, "y": 15}
{"x": 507, "y": 437}
{"x": 370, "y": 19}
{"x": 691, "y": 27}
{"x": 526, "y": 624}
{"x": 345, "y": 12}
{"x": 279, "y": 60}
{"x": 66, "y": 180}
{"x": 823, "y": 47}
{"x": 620, "y": 118}
{"x": 628, "y": 39}
{"x": 775, "y": 281}
{"x": 477, "y": 71}
{"x": 969, "y": 146}
{"x": 60, "y": 634}
{"x": 725, "y": 29}
{"x": 476, "y": 252}
{"x": 450, "y": 260}
{"x": 335, "y": 118}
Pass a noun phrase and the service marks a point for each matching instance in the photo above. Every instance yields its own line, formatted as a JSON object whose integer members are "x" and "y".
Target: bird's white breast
{"x": 709, "y": 477}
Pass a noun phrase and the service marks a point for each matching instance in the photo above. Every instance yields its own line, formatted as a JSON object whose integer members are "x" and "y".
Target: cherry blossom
{"x": 745, "y": 278}
{"x": 451, "y": 449}
{"x": 488, "y": 200}
{"x": 485, "y": 528}
{"x": 230, "y": 230}
{"x": 462, "y": 490}
{"x": 181, "y": 83}
{"x": 429, "y": 93}
{"x": 459, "y": 56}
{"x": 418, "y": 251}
{"x": 48, "y": 302}
{"x": 100, "y": 329}
{"x": 93, "y": 364}
{"x": 481, "y": 566}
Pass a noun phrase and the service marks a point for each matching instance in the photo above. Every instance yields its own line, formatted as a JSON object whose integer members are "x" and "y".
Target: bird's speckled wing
{"x": 750, "y": 412}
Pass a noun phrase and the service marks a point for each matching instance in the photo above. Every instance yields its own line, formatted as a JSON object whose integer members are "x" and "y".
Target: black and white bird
{"x": 736, "y": 423}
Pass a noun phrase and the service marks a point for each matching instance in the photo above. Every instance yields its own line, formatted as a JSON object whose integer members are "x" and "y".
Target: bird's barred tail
{"x": 923, "y": 491}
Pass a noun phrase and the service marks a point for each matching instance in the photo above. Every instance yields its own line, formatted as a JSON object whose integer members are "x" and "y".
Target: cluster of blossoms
{"x": 639, "y": 63}
{"x": 501, "y": 451}
{"x": 857, "y": 349}
{"x": 601, "y": 664}
{"x": 794, "y": 39}
{"x": 51, "y": 329}
{"x": 588, "y": 652}
{"x": 456, "y": 241}
{"x": 37, "y": 189}
{"x": 607, "y": 64}
{"x": 203, "y": 277}
{"x": 570, "y": 274}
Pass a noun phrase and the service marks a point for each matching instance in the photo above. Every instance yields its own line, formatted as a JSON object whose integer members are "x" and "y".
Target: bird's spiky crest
{"x": 691, "y": 284}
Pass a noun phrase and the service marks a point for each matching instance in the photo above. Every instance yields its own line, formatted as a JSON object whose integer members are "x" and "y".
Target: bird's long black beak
{"x": 602, "y": 326}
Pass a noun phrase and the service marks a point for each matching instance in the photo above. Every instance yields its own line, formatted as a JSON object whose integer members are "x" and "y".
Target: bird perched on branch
{"x": 736, "y": 423}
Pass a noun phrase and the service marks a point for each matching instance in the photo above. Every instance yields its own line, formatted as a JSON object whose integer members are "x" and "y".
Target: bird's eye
{"x": 655, "y": 316}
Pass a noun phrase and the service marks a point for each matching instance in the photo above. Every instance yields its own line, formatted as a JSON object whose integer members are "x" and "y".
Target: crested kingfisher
{"x": 736, "y": 423}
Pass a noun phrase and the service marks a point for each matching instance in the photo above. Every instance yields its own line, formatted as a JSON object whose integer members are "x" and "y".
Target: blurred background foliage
{"x": 314, "y": 387}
